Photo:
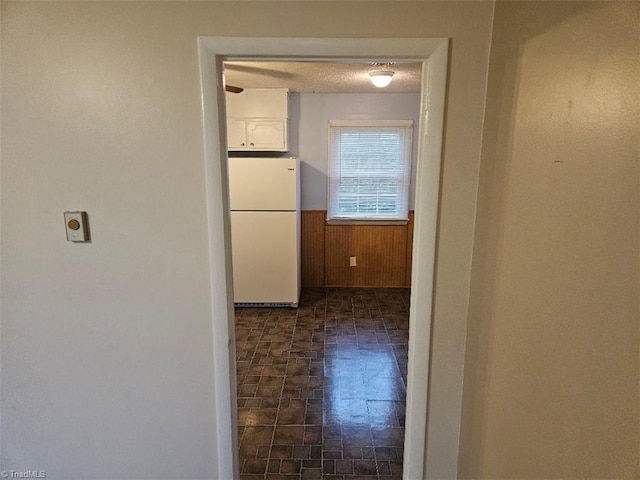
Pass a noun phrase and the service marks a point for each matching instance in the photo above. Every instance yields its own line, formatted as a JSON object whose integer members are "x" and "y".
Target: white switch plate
{"x": 76, "y": 225}
{"x": 352, "y": 261}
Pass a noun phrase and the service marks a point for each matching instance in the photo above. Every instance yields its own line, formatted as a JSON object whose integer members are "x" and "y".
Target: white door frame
{"x": 433, "y": 52}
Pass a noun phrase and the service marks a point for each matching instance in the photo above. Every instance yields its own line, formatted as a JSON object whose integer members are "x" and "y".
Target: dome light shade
{"x": 381, "y": 78}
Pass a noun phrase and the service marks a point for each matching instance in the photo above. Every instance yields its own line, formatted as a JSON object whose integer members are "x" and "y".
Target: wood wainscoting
{"x": 383, "y": 253}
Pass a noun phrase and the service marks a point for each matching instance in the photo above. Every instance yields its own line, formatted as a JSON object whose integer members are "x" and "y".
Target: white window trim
{"x": 356, "y": 221}
{"x": 367, "y": 123}
{"x": 371, "y": 123}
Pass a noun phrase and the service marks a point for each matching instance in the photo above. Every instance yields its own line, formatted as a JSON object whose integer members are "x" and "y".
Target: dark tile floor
{"x": 321, "y": 388}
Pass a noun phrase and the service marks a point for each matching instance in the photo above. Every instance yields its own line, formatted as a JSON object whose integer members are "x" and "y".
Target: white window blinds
{"x": 369, "y": 170}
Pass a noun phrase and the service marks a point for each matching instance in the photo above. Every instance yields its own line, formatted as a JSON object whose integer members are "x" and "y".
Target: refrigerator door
{"x": 264, "y": 183}
{"x": 266, "y": 264}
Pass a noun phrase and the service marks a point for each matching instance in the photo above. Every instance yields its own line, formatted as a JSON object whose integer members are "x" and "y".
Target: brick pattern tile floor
{"x": 321, "y": 388}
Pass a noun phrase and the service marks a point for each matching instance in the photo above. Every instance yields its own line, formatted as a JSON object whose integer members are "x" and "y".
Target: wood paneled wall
{"x": 383, "y": 253}
{"x": 312, "y": 248}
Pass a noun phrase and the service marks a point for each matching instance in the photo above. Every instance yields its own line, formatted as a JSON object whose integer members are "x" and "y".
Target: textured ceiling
{"x": 321, "y": 77}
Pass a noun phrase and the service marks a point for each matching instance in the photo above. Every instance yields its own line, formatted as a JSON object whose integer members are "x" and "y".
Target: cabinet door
{"x": 267, "y": 103}
{"x": 267, "y": 135}
{"x": 258, "y": 103}
{"x": 236, "y": 135}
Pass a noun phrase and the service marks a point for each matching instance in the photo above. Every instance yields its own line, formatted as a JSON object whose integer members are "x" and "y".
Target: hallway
{"x": 321, "y": 388}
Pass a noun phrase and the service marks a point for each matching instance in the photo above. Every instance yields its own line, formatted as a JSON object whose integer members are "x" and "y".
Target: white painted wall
{"x": 310, "y": 115}
{"x": 106, "y": 351}
{"x": 107, "y": 347}
{"x": 551, "y": 383}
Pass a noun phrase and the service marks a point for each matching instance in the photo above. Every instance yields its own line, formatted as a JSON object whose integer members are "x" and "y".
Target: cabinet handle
{"x": 252, "y": 144}
{"x": 242, "y": 144}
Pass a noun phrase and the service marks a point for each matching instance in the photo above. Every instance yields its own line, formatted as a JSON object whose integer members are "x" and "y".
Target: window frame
{"x": 405, "y": 176}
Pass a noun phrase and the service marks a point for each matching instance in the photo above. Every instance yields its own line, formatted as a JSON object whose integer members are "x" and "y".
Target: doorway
{"x": 434, "y": 55}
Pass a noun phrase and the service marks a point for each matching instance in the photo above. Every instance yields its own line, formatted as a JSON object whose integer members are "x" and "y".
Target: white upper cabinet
{"x": 258, "y": 103}
{"x": 257, "y": 119}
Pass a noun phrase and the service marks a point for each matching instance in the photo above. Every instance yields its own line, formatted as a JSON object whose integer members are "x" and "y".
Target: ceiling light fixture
{"x": 381, "y": 78}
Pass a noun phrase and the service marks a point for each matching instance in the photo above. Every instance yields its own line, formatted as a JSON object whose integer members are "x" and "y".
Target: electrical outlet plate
{"x": 76, "y": 225}
{"x": 352, "y": 261}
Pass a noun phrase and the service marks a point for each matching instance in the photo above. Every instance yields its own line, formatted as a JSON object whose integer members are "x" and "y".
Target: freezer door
{"x": 264, "y": 183}
{"x": 266, "y": 260}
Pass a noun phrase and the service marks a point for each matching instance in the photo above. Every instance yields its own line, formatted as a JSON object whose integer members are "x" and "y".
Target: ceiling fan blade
{"x": 232, "y": 89}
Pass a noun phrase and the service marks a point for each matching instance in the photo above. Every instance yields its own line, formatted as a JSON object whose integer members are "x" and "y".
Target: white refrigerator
{"x": 265, "y": 230}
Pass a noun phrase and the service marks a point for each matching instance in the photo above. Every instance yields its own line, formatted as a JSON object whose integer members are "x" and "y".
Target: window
{"x": 369, "y": 170}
